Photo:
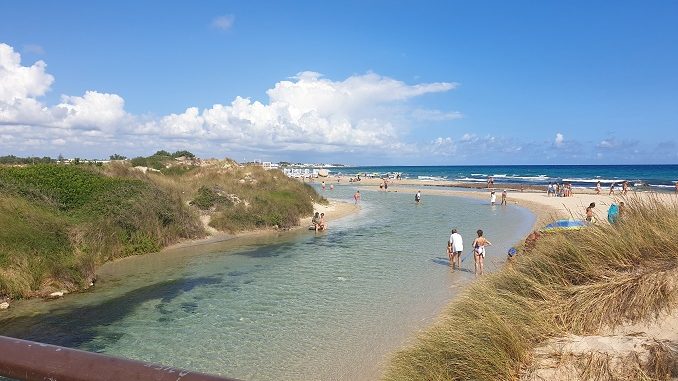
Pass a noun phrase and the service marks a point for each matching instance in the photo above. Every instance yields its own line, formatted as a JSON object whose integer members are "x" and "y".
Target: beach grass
{"x": 58, "y": 223}
{"x": 575, "y": 282}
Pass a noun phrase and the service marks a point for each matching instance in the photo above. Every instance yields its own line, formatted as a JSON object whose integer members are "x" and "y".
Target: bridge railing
{"x": 28, "y": 360}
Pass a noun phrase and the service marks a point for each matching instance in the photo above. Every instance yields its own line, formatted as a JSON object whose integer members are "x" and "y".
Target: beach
{"x": 375, "y": 279}
{"x": 546, "y": 208}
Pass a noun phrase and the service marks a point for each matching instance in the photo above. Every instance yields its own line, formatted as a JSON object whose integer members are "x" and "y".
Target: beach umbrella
{"x": 564, "y": 225}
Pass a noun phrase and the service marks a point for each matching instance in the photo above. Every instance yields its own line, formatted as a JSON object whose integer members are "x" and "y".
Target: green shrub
{"x": 207, "y": 198}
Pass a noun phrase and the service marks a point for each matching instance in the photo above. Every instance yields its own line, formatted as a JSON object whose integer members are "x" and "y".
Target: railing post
{"x": 28, "y": 360}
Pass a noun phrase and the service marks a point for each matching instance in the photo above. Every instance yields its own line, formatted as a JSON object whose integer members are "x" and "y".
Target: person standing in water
{"x": 417, "y": 197}
{"x": 479, "y": 245}
{"x": 457, "y": 246}
{"x": 493, "y": 198}
{"x": 356, "y": 197}
{"x": 503, "y": 197}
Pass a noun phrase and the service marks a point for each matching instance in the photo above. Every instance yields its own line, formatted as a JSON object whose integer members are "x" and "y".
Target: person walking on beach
{"x": 589, "y": 213}
{"x": 457, "y": 246}
{"x": 356, "y": 197}
{"x": 417, "y": 197}
{"x": 493, "y": 198}
{"x": 503, "y": 197}
{"x": 550, "y": 189}
{"x": 611, "y": 190}
{"x": 625, "y": 187}
{"x": 479, "y": 251}
{"x": 598, "y": 188}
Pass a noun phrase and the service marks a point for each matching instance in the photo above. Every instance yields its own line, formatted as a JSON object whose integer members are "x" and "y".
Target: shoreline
{"x": 545, "y": 208}
{"x": 334, "y": 210}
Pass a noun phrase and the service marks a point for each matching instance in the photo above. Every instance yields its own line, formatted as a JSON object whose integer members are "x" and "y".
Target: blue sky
{"x": 363, "y": 82}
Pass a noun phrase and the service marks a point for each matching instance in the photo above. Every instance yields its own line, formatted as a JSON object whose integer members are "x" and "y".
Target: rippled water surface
{"x": 300, "y": 306}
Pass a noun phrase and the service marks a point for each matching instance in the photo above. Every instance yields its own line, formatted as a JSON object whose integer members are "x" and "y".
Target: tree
{"x": 183, "y": 153}
{"x": 118, "y": 157}
{"x": 162, "y": 153}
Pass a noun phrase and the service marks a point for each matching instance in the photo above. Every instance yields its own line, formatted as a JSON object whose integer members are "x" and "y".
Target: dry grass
{"x": 570, "y": 282}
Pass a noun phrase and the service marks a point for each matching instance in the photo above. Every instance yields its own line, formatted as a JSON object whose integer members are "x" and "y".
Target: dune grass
{"x": 570, "y": 282}
{"x": 59, "y": 222}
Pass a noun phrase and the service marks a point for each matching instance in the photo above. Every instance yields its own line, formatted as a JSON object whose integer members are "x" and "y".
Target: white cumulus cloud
{"x": 558, "y": 142}
{"x": 223, "y": 22}
{"x": 307, "y": 112}
{"x": 19, "y": 82}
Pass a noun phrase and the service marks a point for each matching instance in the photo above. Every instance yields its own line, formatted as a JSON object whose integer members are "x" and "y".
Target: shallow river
{"x": 299, "y": 306}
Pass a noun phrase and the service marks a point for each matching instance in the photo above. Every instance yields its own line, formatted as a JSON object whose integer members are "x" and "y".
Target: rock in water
{"x": 4, "y": 306}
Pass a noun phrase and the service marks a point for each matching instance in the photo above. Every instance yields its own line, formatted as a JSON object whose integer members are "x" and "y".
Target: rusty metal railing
{"x": 28, "y": 360}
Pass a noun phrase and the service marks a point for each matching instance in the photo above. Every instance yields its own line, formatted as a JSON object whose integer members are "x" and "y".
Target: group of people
{"x": 559, "y": 190}
{"x": 318, "y": 221}
{"x": 624, "y": 185}
{"x": 324, "y": 186}
{"x": 493, "y": 197}
{"x": 455, "y": 246}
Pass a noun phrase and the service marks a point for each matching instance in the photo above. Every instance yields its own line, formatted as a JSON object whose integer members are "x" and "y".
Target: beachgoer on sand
{"x": 625, "y": 187}
{"x": 503, "y": 197}
{"x": 611, "y": 190}
{"x": 457, "y": 246}
{"x": 417, "y": 197}
{"x": 590, "y": 217}
{"x": 356, "y": 197}
{"x": 493, "y": 198}
{"x": 479, "y": 245}
{"x": 598, "y": 187}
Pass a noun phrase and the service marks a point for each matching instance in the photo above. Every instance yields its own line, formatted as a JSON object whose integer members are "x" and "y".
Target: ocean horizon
{"x": 642, "y": 176}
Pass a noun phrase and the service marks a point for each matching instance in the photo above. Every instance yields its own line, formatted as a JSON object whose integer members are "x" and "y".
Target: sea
{"x": 642, "y": 177}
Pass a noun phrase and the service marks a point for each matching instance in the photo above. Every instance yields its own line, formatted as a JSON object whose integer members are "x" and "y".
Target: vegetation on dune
{"x": 569, "y": 283}
{"x": 59, "y": 222}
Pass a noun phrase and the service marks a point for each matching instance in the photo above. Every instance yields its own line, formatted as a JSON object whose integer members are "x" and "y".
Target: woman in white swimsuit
{"x": 479, "y": 251}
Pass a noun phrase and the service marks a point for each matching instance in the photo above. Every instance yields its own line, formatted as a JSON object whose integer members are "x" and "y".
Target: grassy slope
{"x": 57, "y": 223}
{"x": 575, "y": 282}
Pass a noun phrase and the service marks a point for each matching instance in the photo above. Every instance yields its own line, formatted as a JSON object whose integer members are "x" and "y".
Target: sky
{"x": 353, "y": 82}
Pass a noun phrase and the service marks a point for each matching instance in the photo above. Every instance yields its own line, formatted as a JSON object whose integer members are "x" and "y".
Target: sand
{"x": 334, "y": 210}
{"x": 546, "y": 208}
{"x": 615, "y": 353}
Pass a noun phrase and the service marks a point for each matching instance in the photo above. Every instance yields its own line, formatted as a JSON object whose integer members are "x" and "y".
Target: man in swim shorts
{"x": 457, "y": 247}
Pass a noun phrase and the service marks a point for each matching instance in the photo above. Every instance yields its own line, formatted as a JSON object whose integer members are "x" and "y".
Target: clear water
{"x": 301, "y": 306}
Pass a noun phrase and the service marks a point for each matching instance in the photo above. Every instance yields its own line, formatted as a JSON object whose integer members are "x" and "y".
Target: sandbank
{"x": 334, "y": 210}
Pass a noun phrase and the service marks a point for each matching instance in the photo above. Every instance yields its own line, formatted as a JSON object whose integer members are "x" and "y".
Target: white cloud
{"x": 608, "y": 143}
{"x": 308, "y": 112}
{"x": 20, "y": 82}
{"x": 92, "y": 111}
{"x": 34, "y": 48}
{"x": 558, "y": 142}
{"x": 436, "y": 115}
{"x": 223, "y": 22}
